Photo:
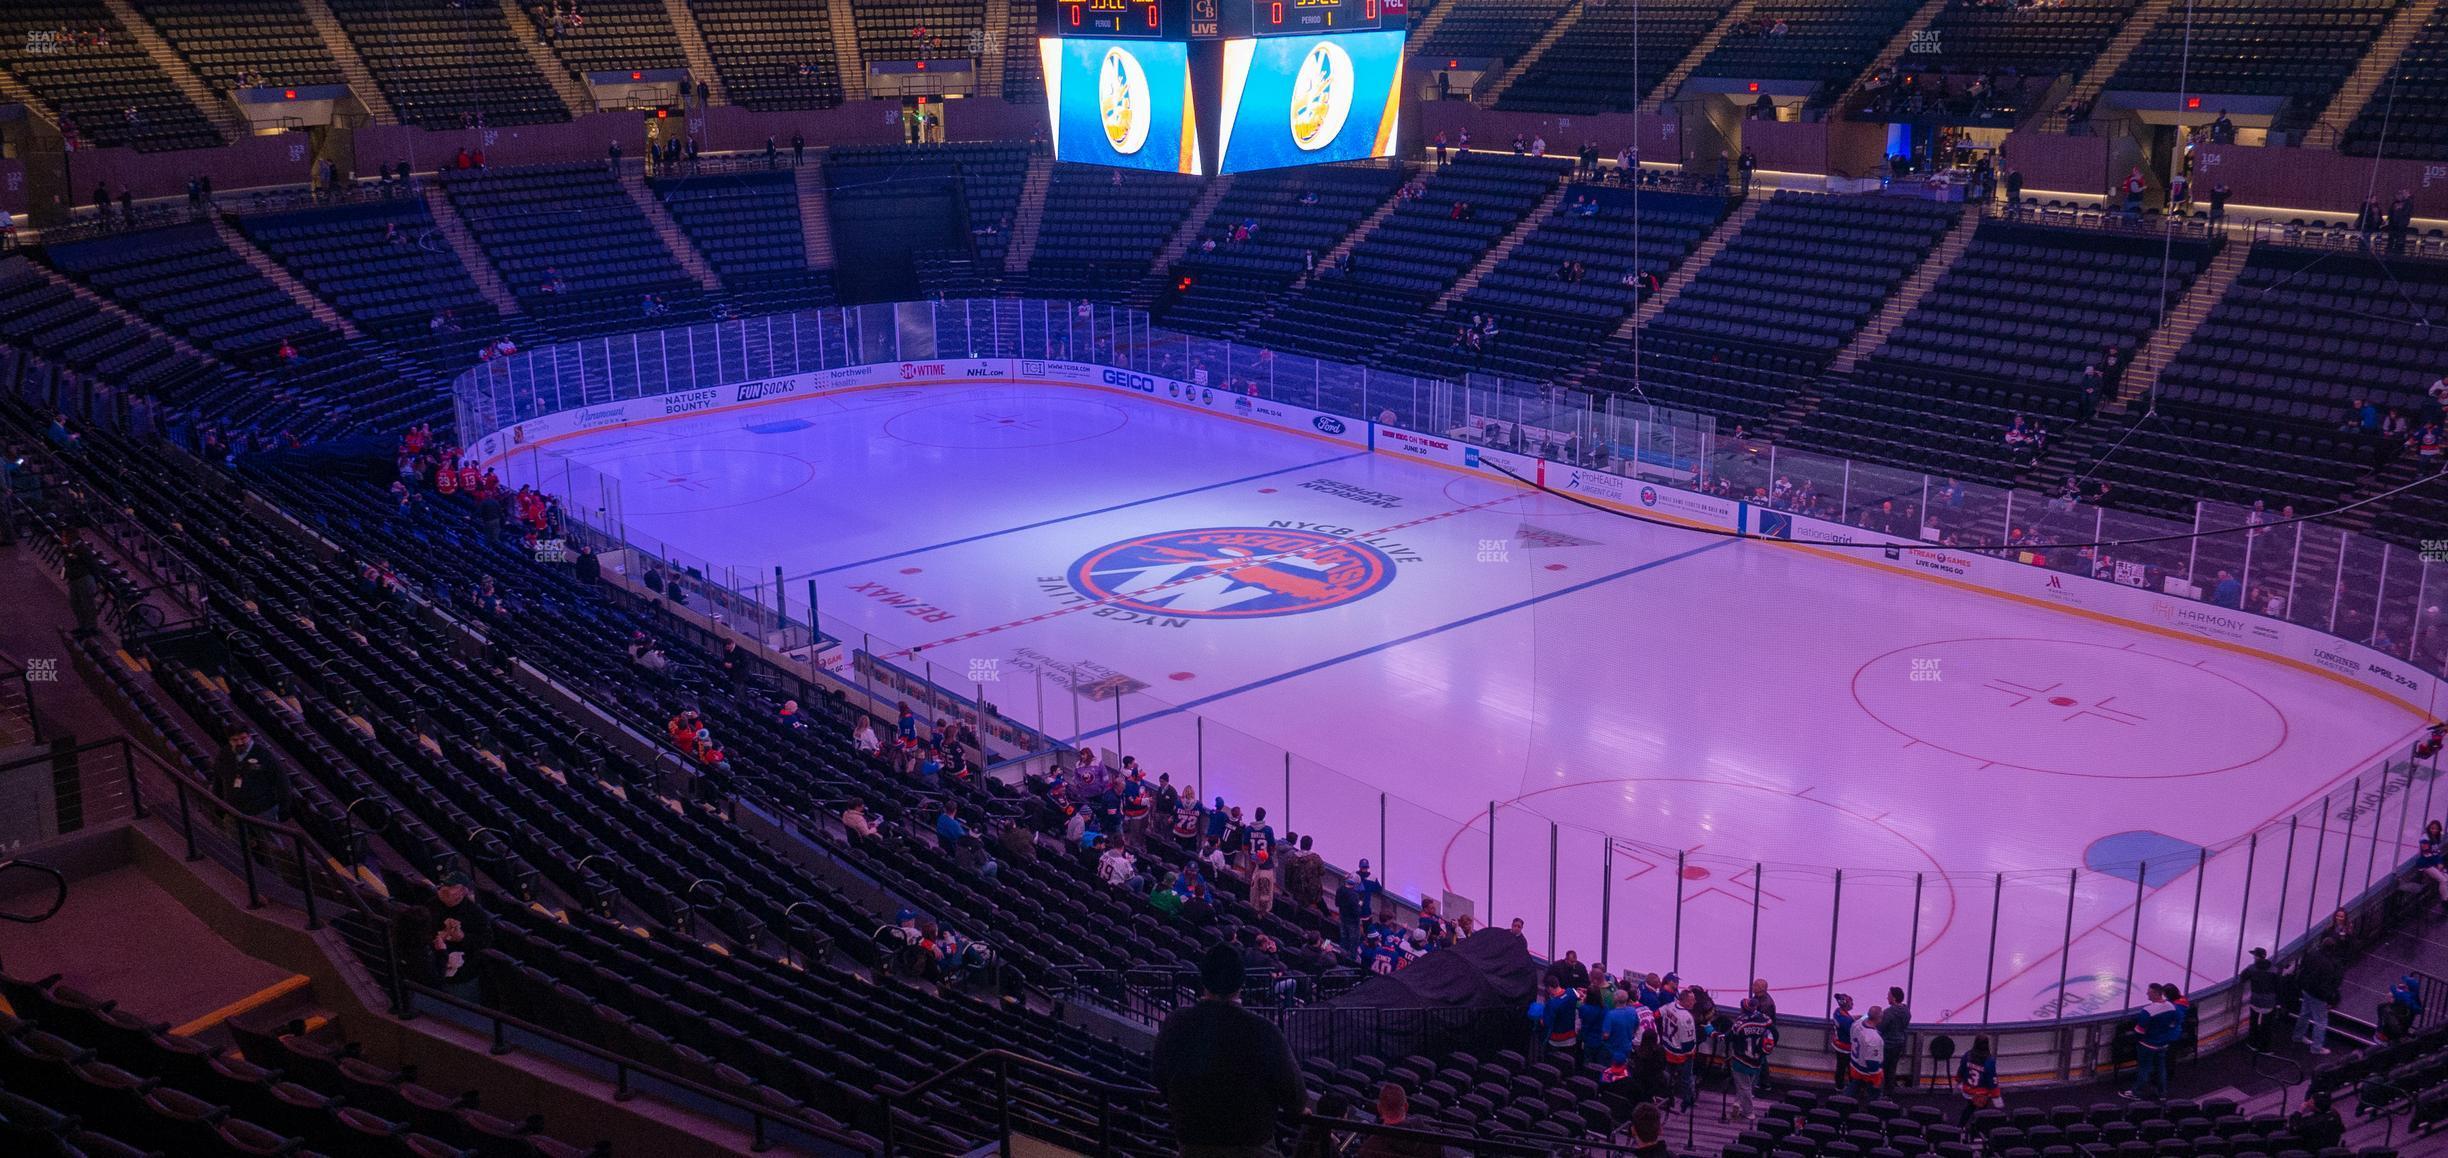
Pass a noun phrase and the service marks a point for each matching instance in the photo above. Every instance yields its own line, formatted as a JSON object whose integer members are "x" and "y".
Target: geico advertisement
{"x": 1124, "y": 103}
{"x": 1307, "y": 100}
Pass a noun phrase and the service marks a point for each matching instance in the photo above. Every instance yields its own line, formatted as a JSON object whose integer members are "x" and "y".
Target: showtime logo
{"x": 911, "y": 370}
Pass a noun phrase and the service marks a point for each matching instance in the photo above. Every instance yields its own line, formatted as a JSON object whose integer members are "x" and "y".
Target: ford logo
{"x": 1327, "y": 423}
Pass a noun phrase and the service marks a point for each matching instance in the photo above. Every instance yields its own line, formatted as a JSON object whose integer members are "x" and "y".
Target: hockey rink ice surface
{"x": 1623, "y": 693}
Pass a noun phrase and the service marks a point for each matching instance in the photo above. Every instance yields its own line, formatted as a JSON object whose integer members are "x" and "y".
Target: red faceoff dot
{"x": 1693, "y": 872}
{"x": 911, "y": 570}
{"x": 1185, "y": 675}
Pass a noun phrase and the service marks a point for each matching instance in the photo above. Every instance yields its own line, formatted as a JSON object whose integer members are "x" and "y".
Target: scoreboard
{"x": 1215, "y": 19}
{"x": 1222, "y": 86}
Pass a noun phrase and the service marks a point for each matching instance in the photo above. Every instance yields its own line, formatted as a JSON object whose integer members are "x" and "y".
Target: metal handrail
{"x": 1005, "y": 1062}
{"x": 760, "y": 1115}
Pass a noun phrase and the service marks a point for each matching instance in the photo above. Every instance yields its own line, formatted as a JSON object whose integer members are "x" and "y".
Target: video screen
{"x": 1121, "y": 102}
{"x": 1308, "y": 100}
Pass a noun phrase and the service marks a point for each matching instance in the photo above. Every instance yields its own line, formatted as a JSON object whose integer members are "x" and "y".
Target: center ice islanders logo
{"x": 1321, "y": 96}
{"x": 1231, "y": 572}
{"x": 1123, "y": 101}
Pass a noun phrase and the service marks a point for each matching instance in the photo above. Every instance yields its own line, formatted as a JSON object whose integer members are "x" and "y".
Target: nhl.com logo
{"x": 1231, "y": 573}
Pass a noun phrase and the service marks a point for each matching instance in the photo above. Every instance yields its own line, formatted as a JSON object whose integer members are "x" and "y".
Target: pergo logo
{"x": 1231, "y": 572}
{"x": 1129, "y": 381}
{"x": 921, "y": 370}
{"x": 693, "y": 400}
{"x": 1328, "y": 423}
{"x": 767, "y": 389}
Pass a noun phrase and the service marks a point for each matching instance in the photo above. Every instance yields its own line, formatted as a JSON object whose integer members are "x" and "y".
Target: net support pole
{"x": 1674, "y": 959}
{"x": 1287, "y": 813}
{"x": 1490, "y": 923}
{"x": 2201, "y": 878}
{"x": 1835, "y": 923}
{"x": 1912, "y": 945}
{"x": 2065, "y": 951}
{"x": 2286, "y": 884}
{"x": 1554, "y": 841}
{"x": 1198, "y": 741}
{"x": 2133, "y": 941}
{"x": 2320, "y": 849}
{"x": 1759, "y": 870}
{"x": 1997, "y": 902}
{"x": 1385, "y": 864}
{"x": 2346, "y": 846}
{"x": 2252, "y": 853}
{"x": 1606, "y": 901}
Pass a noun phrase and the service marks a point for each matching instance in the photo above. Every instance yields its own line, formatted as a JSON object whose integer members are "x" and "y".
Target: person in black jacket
{"x": 1225, "y": 1072}
{"x": 2320, "y": 977}
{"x": 245, "y": 781}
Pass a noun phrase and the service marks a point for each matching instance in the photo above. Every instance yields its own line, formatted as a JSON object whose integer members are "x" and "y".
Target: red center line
{"x": 1209, "y": 574}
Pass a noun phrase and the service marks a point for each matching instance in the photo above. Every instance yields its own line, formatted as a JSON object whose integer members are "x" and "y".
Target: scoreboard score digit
{"x": 1110, "y": 18}
{"x": 1303, "y": 17}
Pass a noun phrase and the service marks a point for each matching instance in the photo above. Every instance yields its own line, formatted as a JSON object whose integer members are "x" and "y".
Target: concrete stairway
{"x": 676, "y": 239}
{"x": 1367, "y": 226}
{"x": 1692, "y": 265}
{"x": 1896, "y": 46}
{"x": 1029, "y": 215}
{"x": 279, "y": 275}
{"x": 993, "y": 44}
{"x": 1665, "y": 90}
{"x": 1193, "y": 223}
{"x": 565, "y": 84}
{"x": 1555, "y": 32}
{"x": 352, "y": 66}
{"x": 216, "y": 108}
{"x": 846, "y": 55}
{"x": 1422, "y": 31}
{"x": 2079, "y": 446}
{"x": 2146, "y": 16}
{"x": 130, "y": 320}
{"x": 815, "y": 213}
{"x": 693, "y": 49}
{"x": 2142, "y": 375}
{"x": 1900, "y": 303}
{"x": 2403, "y": 26}
{"x": 453, "y": 231}
{"x": 1504, "y": 247}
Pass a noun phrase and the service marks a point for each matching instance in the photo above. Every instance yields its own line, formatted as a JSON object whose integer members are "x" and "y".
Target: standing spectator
{"x": 1351, "y": 908}
{"x": 2318, "y": 978}
{"x": 2431, "y": 858}
{"x": 1976, "y": 1079}
{"x": 1754, "y": 1037}
{"x": 1893, "y": 1025}
{"x": 1225, "y": 1072}
{"x": 2218, "y": 203}
{"x": 2261, "y": 997}
{"x": 245, "y": 782}
{"x": 2155, "y": 1028}
{"x": 798, "y": 148}
{"x": 1869, "y": 1058}
{"x": 1679, "y": 1034}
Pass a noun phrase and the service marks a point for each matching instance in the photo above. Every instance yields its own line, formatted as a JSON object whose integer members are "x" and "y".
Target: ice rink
{"x": 1681, "y": 738}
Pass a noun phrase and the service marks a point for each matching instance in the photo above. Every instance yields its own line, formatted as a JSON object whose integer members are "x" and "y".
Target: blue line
{"x": 1084, "y": 514}
{"x": 1414, "y": 637}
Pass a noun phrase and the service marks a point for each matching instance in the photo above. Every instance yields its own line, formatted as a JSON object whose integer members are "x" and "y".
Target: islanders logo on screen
{"x": 1124, "y": 101}
{"x": 1231, "y": 572}
{"x": 1321, "y": 96}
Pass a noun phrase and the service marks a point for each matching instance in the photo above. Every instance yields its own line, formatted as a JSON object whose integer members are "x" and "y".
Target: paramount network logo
{"x": 1231, "y": 572}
